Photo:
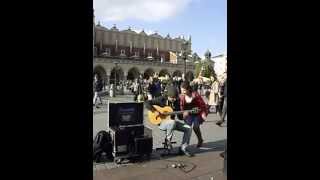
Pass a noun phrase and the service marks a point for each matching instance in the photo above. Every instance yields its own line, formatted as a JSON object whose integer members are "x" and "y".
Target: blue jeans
{"x": 171, "y": 125}
{"x": 193, "y": 120}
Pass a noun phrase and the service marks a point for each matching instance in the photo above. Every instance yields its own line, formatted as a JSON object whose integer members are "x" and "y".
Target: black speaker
{"x": 123, "y": 138}
{"x": 143, "y": 145}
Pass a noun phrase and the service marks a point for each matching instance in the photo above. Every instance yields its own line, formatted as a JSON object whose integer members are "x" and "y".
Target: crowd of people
{"x": 143, "y": 89}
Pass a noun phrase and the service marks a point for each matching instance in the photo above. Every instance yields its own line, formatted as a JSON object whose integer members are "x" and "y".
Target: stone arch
{"x": 133, "y": 73}
{"x": 189, "y": 76}
{"x": 116, "y": 75}
{"x": 102, "y": 74}
{"x": 177, "y": 73}
{"x": 100, "y": 71}
{"x": 148, "y": 72}
{"x": 163, "y": 72}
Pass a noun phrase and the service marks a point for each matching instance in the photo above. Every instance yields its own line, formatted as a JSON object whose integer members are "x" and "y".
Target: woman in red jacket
{"x": 189, "y": 100}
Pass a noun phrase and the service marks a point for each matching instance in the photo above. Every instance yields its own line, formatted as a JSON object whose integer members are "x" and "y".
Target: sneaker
{"x": 185, "y": 152}
{"x": 200, "y": 142}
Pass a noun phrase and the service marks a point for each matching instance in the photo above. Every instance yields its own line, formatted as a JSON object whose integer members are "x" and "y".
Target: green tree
{"x": 208, "y": 70}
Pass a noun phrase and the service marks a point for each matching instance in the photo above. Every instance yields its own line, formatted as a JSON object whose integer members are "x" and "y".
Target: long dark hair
{"x": 186, "y": 85}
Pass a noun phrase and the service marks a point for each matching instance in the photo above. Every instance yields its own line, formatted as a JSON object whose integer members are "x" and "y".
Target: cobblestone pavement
{"x": 213, "y": 135}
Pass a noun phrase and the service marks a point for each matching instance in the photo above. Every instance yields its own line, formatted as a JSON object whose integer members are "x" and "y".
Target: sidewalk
{"x": 206, "y": 165}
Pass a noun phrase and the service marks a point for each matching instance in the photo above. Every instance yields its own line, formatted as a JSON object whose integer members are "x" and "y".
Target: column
{"x": 125, "y": 75}
{"x": 108, "y": 77}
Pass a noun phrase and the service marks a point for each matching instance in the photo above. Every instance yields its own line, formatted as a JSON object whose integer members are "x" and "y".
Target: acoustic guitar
{"x": 163, "y": 113}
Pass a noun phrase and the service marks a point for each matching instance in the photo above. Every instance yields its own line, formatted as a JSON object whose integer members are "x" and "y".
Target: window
{"x": 162, "y": 58}
{"x": 150, "y": 56}
{"x": 122, "y": 52}
{"x": 108, "y": 52}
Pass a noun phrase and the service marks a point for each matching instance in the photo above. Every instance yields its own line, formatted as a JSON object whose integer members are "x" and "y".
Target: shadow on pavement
{"x": 211, "y": 147}
{"x": 207, "y": 147}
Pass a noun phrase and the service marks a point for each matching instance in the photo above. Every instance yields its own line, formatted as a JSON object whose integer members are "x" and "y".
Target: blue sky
{"x": 204, "y": 20}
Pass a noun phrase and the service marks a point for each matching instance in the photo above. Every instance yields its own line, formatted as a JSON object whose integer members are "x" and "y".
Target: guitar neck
{"x": 179, "y": 112}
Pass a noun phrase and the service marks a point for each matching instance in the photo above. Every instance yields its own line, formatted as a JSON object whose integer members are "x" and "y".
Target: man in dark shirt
{"x": 169, "y": 125}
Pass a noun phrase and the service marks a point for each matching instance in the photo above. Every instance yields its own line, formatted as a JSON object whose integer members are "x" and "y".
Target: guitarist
{"x": 171, "y": 99}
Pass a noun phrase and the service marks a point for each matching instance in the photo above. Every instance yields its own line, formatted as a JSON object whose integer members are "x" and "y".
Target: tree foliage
{"x": 208, "y": 70}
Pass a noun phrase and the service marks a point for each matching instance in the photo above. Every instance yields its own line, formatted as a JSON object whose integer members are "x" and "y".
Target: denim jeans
{"x": 193, "y": 119}
{"x": 171, "y": 125}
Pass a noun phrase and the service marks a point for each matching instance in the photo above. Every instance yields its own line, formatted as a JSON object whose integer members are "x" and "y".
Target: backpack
{"x": 102, "y": 143}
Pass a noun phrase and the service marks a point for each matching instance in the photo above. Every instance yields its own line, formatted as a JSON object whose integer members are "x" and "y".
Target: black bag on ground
{"x": 102, "y": 143}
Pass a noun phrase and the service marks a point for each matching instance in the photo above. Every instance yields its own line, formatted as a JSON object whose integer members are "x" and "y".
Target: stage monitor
{"x": 125, "y": 114}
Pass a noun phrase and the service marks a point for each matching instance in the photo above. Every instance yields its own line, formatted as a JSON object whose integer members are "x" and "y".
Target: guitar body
{"x": 155, "y": 117}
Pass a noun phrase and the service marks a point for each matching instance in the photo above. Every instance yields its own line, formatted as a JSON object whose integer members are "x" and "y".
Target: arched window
{"x": 122, "y": 52}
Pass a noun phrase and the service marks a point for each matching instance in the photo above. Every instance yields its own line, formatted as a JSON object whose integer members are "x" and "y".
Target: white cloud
{"x": 147, "y": 10}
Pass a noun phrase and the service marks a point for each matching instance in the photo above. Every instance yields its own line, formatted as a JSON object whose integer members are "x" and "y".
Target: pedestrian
{"x": 213, "y": 97}
{"x": 111, "y": 91}
{"x": 97, "y": 85}
{"x": 223, "y": 114}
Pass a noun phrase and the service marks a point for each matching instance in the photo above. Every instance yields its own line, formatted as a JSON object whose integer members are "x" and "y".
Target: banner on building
{"x": 173, "y": 58}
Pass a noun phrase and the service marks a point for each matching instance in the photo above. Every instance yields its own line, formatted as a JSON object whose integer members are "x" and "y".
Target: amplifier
{"x": 123, "y": 138}
{"x": 143, "y": 145}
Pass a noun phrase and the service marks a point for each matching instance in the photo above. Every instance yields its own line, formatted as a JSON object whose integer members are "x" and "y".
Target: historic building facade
{"x": 124, "y": 55}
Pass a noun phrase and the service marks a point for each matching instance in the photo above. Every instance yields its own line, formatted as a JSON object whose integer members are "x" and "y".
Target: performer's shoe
{"x": 185, "y": 152}
{"x": 219, "y": 123}
{"x": 200, "y": 142}
{"x": 222, "y": 154}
